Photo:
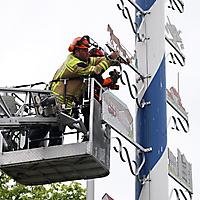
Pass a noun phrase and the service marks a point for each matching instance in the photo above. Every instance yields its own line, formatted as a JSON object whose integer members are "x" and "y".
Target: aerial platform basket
{"x": 75, "y": 161}
{"x": 72, "y": 161}
{"x": 55, "y": 164}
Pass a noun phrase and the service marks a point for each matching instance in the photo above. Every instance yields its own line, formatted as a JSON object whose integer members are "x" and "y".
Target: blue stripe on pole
{"x": 146, "y": 5}
{"x": 155, "y": 132}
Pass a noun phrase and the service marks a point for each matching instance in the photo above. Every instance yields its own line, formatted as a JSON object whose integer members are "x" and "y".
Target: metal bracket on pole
{"x": 141, "y": 151}
{"x": 141, "y": 104}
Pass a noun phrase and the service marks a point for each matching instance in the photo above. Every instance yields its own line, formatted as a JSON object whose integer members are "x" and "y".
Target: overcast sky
{"x": 34, "y": 39}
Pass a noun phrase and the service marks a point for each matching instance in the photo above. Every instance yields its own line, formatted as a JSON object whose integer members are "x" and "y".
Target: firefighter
{"x": 67, "y": 83}
{"x": 77, "y": 66}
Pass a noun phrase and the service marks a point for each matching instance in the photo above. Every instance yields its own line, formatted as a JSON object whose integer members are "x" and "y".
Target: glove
{"x": 114, "y": 63}
{"x": 114, "y": 55}
{"x": 114, "y": 75}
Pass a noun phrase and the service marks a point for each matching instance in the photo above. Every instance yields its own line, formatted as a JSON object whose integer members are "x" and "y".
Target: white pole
{"x": 151, "y": 128}
{"x": 90, "y": 190}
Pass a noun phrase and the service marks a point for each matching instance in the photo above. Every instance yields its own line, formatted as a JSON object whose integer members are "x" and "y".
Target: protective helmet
{"x": 79, "y": 42}
{"x": 96, "y": 52}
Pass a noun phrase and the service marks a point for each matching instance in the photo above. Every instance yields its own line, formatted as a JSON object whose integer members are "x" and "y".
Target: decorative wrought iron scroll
{"x": 140, "y": 13}
{"x": 133, "y": 166}
{"x": 175, "y": 41}
{"x": 177, "y": 120}
{"x": 130, "y": 86}
{"x": 174, "y": 100}
{"x": 176, "y": 5}
{"x": 179, "y": 194}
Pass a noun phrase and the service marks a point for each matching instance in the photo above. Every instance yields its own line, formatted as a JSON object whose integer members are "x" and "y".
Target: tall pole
{"x": 151, "y": 126}
{"x": 90, "y": 189}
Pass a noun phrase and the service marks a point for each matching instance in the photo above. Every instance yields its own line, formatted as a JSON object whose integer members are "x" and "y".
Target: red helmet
{"x": 95, "y": 52}
{"x": 79, "y": 42}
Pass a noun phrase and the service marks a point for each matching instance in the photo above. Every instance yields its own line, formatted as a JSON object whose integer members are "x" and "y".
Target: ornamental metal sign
{"x": 117, "y": 46}
{"x": 174, "y": 100}
{"x": 117, "y": 115}
{"x": 180, "y": 169}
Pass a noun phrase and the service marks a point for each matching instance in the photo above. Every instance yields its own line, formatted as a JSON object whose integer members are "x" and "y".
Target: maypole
{"x": 151, "y": 128}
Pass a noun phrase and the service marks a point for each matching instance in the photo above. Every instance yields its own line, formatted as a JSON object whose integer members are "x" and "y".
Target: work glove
{"x": 114, "y": 55}
{"x": 114, "y": 75}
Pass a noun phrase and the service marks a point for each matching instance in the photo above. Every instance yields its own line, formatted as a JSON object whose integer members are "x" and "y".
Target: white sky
{"x": 34, "y": 38}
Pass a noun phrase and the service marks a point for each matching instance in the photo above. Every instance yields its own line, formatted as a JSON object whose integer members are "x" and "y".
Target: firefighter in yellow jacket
{"x": 67, "y": 83}
{"x": 77, "y": 66}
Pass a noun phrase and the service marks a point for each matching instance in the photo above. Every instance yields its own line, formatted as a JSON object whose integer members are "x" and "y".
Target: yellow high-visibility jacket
{"x": 75, "y": 70}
